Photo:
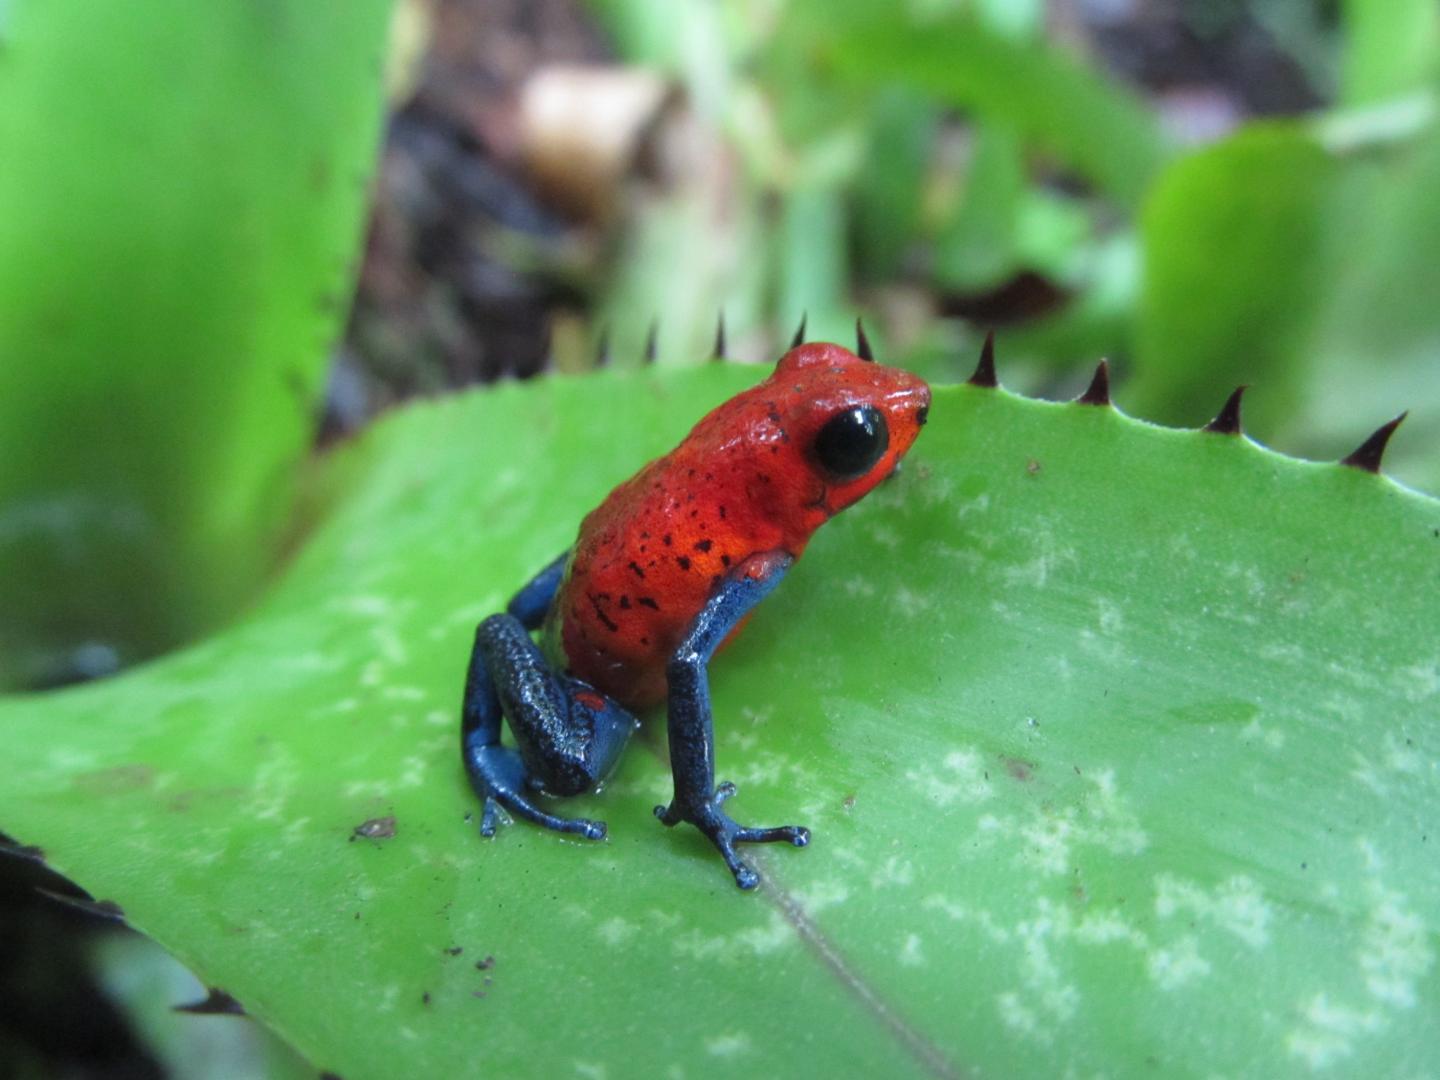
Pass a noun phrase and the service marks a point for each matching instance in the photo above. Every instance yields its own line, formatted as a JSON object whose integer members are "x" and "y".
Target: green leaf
{"x": 1391, "y": 48}
{"x": 1233, "y": 240}
{"x": 1120, "y": 745}
{"x": 1093, "y": 125}
{"x": 975, "y": 248}
{"x": 887, "y": 193}
{"x": 1299, "y": 258}
{"x": 180, "y": 203}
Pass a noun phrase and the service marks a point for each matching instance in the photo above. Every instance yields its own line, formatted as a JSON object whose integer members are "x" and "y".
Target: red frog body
{"x": 663, "y": 572}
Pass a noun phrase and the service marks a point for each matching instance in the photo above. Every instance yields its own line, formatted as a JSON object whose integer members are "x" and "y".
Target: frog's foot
{"x": 499, "y": 778}
{"x": 724, "y": 833}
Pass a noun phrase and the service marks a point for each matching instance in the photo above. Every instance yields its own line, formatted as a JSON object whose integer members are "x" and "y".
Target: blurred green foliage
{"x": 938, "y": 151}
{"x": 180, "y": 201}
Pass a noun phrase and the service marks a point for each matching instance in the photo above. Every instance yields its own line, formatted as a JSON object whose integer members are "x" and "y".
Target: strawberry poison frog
{"x": 662, "y": 574}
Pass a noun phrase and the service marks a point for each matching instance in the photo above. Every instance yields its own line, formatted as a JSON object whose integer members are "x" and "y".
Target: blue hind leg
{"x": 568, "y": 736}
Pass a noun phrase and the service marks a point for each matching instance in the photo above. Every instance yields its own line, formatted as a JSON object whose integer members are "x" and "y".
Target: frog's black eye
{"x": 851, "y": 442}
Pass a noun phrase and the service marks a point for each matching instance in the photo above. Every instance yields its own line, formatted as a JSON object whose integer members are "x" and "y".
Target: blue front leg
{"x": 531, "y": 603}
{"x": 692, "y": 738}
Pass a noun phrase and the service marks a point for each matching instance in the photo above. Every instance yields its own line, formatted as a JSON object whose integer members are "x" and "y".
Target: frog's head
{"x": 847, "y": 421}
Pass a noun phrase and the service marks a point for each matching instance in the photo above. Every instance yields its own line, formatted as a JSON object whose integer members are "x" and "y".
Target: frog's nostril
{"x": 922, "y": 414}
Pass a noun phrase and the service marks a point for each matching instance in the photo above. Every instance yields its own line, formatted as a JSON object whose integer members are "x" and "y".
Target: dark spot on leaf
{"x": 648, "y": 601}
{"x": 380, "y": 828}
{"x": 455, "y": 950}
{"x": 724, "y": 560}
{"x": 486, "y": 964}
{"x": 683, "y": 561}
{"x": 117, "y": 780}
{"x": 704, "y": 545}
{"x": 636, "y": 567}
{"x": 667, "y": 539}
{"x": 624, "y": 603}
{"x": 1020, "y": 770}
{"x": 425, "y": 998}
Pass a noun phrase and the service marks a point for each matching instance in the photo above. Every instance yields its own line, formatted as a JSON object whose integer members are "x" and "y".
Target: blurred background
{"x": 233, "y": 234}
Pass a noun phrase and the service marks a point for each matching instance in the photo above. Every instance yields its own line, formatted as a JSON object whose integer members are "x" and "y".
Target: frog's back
{"x": 645, "y": 562}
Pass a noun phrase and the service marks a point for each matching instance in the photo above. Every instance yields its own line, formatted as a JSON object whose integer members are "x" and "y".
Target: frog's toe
{"x": 489, "y": 818}
{"x": 789, "y": 834}
{"x": 745, "y": 877}
{"x": 592, "y": 830}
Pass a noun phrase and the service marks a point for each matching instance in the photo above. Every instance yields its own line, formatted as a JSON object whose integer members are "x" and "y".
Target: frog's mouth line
{"x": 821, "y": 502}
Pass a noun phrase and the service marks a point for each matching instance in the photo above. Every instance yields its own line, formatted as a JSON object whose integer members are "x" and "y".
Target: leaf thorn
{"x": 719, "y": 351}
{"x": 862, "y": 343}
{"x": 985, "y": 369}
{"x": 216, "y": 1002}
{"x": 799, "y": 338}
{"x": 1098, "y": 392}
{"x": 1227, "y": 420}
{"x": 1368, "y": 454}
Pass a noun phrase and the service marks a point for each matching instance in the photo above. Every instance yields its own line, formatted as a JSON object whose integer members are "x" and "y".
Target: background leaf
{"x": 175, "y": 258}
{"x": 1119, "y": 743}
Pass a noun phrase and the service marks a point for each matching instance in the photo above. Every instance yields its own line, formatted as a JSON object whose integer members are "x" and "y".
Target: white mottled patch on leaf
{"x": 1395, "y": 950}
{"x": 1327, "y": 1032}
{"x": 1401, "y": 756}
{"x": 910, "y": 603}
{"x": 819, "y": 895}
{"x": 389, "y": 644}
{"x": 729, "y": 1045}
{"x": 1047, "y": 836}
{"x": 1177, "y": 964}
{"x": 1236, "y": 905}
{"x": 1273, "y": 738}
{"x": 275, "y": 780}
{"x": 960, "y": 778}
{"x": 896, "y": 871}
{"x": 886, "y": 536}
{"x": 366, "y": 606}
{"x": 1419, "y": 682}
{"x": 616, "y": 931}
{"x": 1017, "y": 1016}
{"x": 911, "y": 954}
